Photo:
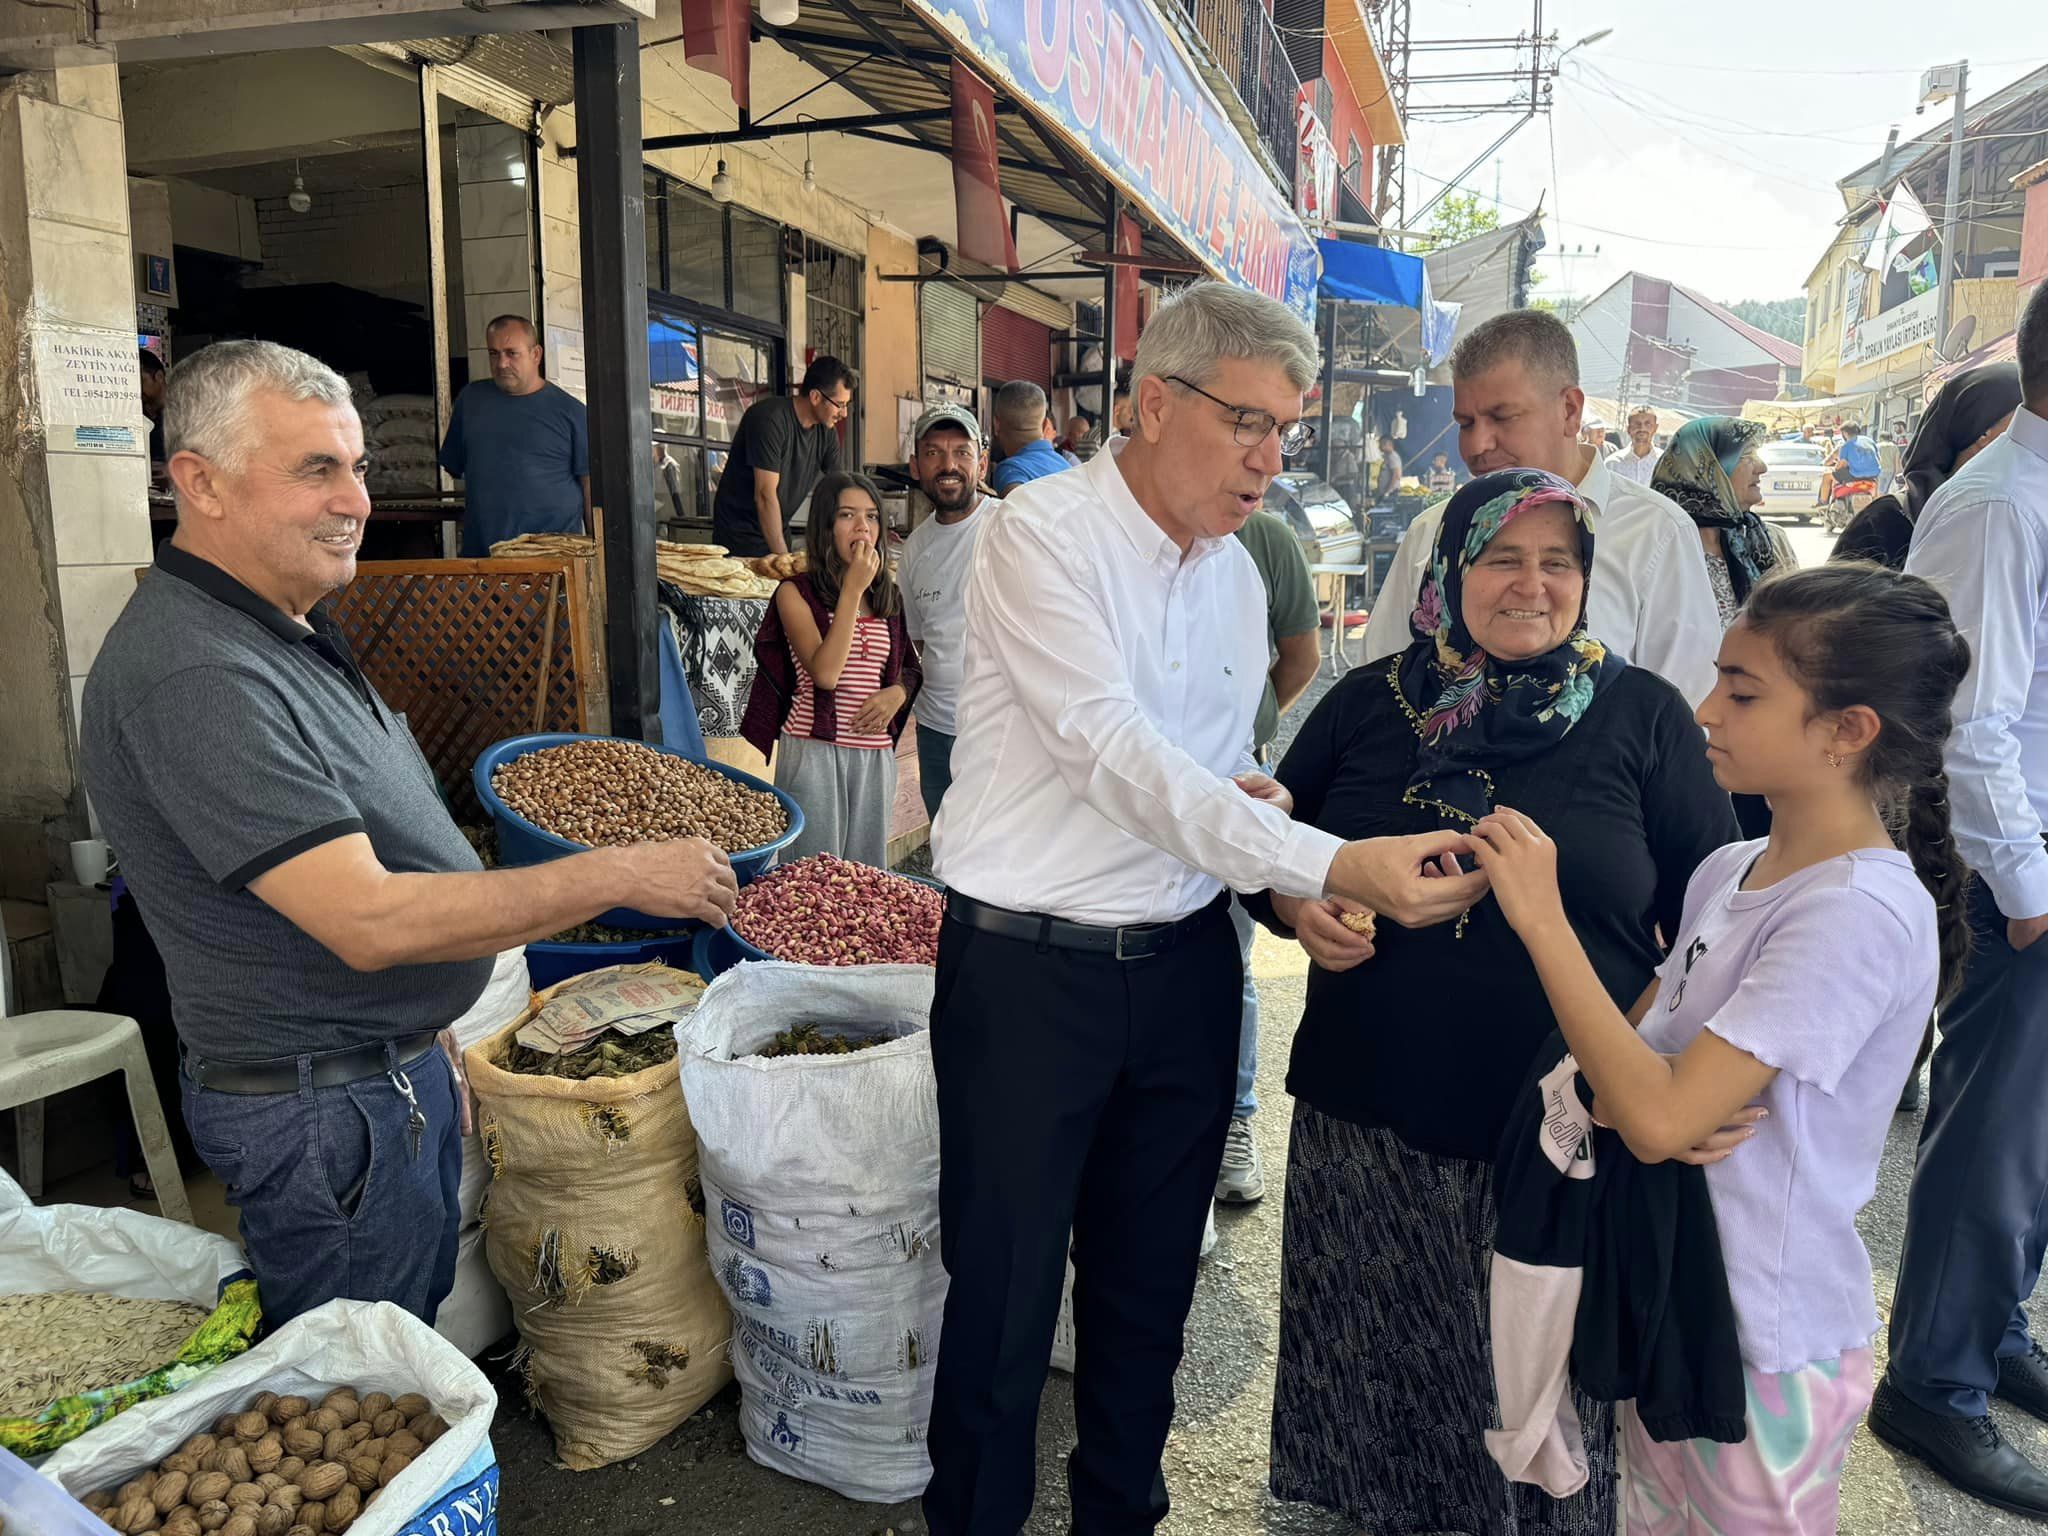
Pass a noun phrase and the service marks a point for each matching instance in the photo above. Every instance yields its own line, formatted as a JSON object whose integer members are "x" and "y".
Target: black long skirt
{"x": 1385, "y": 1376}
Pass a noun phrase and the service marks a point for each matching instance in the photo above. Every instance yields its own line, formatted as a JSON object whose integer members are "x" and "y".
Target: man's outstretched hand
{"x": 1416, "y": 881}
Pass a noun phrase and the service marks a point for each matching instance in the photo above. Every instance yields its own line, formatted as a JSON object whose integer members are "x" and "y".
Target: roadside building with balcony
{"x": 1870, "y": 338}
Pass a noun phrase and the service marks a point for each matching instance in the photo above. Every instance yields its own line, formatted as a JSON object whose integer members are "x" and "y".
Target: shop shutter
{"x": 1013, "y": 347}
{"x": 951, "y": 328}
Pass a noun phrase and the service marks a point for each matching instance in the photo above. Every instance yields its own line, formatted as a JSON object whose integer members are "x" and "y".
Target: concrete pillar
{"x": 74, "y": 514}
{"x": 497, "y": 231}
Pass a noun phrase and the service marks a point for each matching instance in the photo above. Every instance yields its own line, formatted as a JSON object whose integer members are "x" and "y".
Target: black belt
{"x": 1133, "y": 941}
{"x": 280, "y": 1074}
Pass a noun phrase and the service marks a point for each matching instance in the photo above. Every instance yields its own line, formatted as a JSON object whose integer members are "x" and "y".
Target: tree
{"x": 1459, "y": 217}
{"x": 1782, "y": 318}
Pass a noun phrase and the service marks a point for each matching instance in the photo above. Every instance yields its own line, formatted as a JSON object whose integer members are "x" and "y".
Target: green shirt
{"x": 1290, "y": 603}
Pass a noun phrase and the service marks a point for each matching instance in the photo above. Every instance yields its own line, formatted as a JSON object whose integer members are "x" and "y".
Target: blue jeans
{"x": 333, "y": 1202}
{"x": 934, "y": 767}
{"x": 1247, "y": 1103}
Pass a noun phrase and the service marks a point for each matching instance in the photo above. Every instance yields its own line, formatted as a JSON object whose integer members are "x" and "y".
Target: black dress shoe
{"x": 1911, "y": 1097}
{"x": 2023, "y": 1380}
{"x": 1970, "y": 1453}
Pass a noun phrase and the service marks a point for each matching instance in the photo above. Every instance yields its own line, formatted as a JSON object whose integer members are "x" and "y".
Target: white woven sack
{"x": 821, "y": 1196}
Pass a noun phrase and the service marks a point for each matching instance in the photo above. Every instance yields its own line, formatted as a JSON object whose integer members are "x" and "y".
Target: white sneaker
{"x": 1242, "y": 1179}
{"x": 1209, "y": 1232}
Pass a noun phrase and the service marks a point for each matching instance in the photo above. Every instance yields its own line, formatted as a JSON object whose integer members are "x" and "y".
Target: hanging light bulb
{"x": 299, "y": 200}
{"x": 810, "y": 170}
{"x": 721, "y": 185}
{"x": 779, "y": 13}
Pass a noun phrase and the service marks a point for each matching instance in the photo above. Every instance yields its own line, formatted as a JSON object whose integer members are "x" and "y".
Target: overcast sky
{"x": 1691, "y": 147}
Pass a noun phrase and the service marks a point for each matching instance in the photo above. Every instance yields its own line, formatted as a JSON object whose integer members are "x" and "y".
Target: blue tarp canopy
{"x": 1372, "y": 274}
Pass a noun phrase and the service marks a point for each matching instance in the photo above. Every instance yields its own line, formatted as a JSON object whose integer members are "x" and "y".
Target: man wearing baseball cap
{"x": 948, "y": 457}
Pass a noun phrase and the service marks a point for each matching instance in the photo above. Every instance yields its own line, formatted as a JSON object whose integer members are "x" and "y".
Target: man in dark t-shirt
{"x": 321, "y": 919}
{"x": 784, "y": 447}
{"x": 520, "y": 446}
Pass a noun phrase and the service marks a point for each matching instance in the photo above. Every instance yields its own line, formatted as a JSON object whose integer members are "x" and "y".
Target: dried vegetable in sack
{"x": 595, "y": 1228}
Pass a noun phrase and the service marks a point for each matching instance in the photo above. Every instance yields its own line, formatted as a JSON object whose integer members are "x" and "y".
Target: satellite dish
{"x": 1958, "y": 341}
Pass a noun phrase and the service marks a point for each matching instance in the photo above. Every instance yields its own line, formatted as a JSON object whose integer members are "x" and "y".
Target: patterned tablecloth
{"x": 716, "y": 637}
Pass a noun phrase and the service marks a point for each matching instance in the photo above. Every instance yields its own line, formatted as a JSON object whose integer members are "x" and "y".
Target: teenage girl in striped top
{"x": 854, "y": 673}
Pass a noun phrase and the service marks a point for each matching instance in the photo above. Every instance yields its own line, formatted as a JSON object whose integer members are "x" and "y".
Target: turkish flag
{"x": 715, "y": 40}
{"x": 1129, "y": 242}
{"x": 984, "y": 228}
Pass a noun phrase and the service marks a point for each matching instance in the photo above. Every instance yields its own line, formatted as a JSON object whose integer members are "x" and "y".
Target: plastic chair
{"x": 47, "y": 1052}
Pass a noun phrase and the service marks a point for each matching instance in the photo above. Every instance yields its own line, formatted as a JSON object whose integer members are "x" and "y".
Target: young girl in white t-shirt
{"x": 1773, "y": 1044}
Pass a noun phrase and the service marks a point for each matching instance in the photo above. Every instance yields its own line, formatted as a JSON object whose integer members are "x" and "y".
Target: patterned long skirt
{"x": 1386, "y": 1378}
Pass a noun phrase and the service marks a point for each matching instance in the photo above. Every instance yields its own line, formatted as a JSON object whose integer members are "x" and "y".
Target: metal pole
{"x": 614, "y": 237}
{"x": 437, "y": 273}
{"x": 1948, "y": 216}
{"x": 1329, "y": 318}
{"x": 1109, "y": 281}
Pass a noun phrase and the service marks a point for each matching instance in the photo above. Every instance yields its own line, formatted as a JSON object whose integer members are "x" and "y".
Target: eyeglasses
{"x": 1250, "y": 426}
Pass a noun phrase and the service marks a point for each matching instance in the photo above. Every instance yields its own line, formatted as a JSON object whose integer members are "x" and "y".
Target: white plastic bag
{"x": 505, "y": 997}
{"x": 370, "y": 1345}
{"x": 122, "y": 1253}
{"x": 94, "y": 1248}
{"x": 821, "y": 1195}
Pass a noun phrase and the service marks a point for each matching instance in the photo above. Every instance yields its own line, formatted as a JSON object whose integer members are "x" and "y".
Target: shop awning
{"x": 1800, "y": 413}
{"x": 1070, "y": 119}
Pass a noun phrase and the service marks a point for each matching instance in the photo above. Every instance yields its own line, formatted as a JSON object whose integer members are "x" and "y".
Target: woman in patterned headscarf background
{"x": 1414, "y": 1042}
{"x": 1713, "y": 470}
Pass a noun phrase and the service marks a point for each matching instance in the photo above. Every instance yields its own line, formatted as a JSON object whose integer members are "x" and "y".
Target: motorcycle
{"x": 1848, "y": 498}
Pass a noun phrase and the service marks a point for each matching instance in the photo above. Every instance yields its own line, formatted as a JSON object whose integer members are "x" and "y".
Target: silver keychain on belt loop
{"x": 415, "y": 1120}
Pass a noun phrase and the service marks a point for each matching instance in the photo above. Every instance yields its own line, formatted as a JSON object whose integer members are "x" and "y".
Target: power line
{"x": 1758, "y": 69}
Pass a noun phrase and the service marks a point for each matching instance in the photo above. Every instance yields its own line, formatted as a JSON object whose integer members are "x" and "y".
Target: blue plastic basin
{"x": 521, "y": 842}
{"x": 548, "y": 962}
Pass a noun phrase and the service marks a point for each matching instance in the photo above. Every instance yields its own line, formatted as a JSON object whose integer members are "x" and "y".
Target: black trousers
{"x": 1082, "y": 1094}
{"x": 1977, "y": 1217}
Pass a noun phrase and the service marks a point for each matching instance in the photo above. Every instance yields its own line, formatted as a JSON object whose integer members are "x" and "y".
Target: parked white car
{"x": 1792, "y": 476}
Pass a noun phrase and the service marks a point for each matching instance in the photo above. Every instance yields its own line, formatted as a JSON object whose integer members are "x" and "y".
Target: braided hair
{"x": 1856, "y": 633}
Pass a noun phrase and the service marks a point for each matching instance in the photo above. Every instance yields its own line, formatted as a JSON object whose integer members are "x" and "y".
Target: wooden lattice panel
{"x": 473, "y": 651}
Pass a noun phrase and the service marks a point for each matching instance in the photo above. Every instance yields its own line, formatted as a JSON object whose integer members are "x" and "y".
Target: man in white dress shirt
{"x": 1977, "y": 1219}
{"x": 1517, "y": 402}
{"x": 1638, "y": 461}
{"x": 1085, "y": 1013}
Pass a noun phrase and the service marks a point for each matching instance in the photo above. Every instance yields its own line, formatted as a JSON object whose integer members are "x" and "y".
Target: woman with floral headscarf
{"x": 1415, "y": 1042}
{"x": 1713, "y": 470}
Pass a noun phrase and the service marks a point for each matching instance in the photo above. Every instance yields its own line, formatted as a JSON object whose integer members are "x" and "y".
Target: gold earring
{"x": 1834, "y": 760}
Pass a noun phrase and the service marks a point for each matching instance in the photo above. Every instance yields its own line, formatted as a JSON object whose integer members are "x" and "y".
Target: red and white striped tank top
{"x": 859, "y": 680}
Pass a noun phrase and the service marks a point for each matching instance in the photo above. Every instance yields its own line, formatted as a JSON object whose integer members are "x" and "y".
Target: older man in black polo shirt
{"x": 322, "y": 919}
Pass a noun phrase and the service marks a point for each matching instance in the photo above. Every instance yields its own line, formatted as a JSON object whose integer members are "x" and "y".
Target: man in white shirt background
{"x": 1085, "y": 1013}
{"x": 1977, "y": 1218}
{"x": 949, "y": 459}
{"x": 1517, "y": 402}
{"x": 1638, "y": 461}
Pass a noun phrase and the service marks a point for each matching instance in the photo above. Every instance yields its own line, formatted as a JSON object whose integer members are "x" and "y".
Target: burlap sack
{"x": 594, "y": 1225}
